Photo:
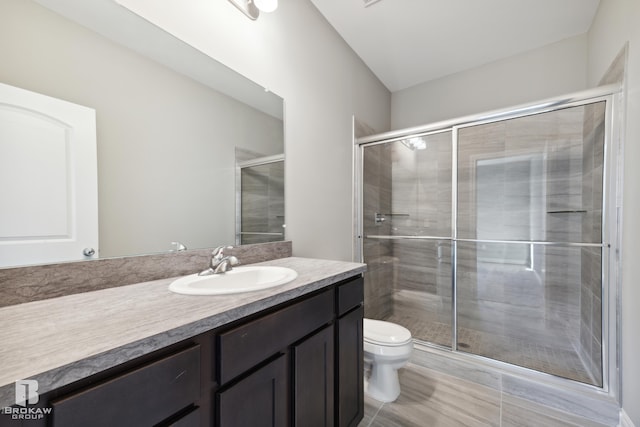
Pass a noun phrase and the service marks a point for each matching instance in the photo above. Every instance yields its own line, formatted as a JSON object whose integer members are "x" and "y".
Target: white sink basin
{"x": 240, "y": 279}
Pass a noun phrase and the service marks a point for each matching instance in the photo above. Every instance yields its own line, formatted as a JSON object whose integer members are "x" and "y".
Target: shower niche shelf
{"x": 567, "y": 211}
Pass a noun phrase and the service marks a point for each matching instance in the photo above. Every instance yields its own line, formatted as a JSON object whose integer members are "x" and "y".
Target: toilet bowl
{"x": 387, "y": 348}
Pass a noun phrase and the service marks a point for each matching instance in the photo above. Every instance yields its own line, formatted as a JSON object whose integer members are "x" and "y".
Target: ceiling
{"x": 407, "y": 42}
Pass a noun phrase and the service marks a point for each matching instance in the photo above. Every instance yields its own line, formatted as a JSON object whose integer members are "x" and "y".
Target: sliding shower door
{"x": 407, "y": 234}
{"x": 486, "y": 237}
{"x": 529, "y": 241}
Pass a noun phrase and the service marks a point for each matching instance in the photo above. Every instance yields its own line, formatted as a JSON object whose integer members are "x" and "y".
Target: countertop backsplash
{"x": 26, "y": 284}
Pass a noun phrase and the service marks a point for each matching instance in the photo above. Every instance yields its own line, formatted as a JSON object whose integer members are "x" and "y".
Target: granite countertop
{"x": 61, "y": 340}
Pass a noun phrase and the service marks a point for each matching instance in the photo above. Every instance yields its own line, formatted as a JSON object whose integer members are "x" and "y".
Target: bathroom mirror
{"x": 169, "y": 119}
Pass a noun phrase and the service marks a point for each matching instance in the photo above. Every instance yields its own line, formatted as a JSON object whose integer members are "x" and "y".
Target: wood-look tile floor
{"x": 431, "y": 398}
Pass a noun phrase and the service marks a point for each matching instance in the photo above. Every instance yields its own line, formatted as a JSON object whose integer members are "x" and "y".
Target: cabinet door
{"x": 313, "y": 389}
{"x": 350, "y": 367}
{"x": 261, "y": 399}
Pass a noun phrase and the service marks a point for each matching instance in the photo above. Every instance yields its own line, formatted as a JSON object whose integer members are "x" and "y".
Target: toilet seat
{"x": 384, "y": 333}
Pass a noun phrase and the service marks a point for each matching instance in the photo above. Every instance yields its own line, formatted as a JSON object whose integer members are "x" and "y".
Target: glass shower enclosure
{"x": 493, "y": 236}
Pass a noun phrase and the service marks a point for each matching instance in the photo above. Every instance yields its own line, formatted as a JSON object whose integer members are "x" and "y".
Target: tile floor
{"x": 554, "y": 358}
{"x": 430, "y": 398}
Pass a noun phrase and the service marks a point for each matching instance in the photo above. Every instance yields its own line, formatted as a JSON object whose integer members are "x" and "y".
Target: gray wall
{"x": 163, "y": 139}
{"x": 548, "y": 71}
{"x": 615, "y": 24}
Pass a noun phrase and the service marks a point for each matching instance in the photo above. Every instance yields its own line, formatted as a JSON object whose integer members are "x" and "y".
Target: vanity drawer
{"x": 191, "y": 419}
{"x": 144, "y": 396}
{"x": 350, "y": 295}
{"x": 245, "y": 346}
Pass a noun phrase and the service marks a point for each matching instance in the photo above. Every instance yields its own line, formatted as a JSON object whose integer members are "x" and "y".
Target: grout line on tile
{"x": 501, "y": 400}
{"x": 557, "y": 414}
{"x": 376, "y": 414}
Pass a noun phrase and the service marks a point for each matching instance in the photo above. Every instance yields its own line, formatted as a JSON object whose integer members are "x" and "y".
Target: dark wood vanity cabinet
{"x": 297, "y": 364}
{"x": 350, "y": 357}
{"x": 319, "y": 341}
{"x": 295, "y": 388}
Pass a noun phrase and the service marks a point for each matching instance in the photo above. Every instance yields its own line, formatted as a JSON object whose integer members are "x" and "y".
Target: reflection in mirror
{"x": 259, "y": 198}
{"x": 166, "y": 133}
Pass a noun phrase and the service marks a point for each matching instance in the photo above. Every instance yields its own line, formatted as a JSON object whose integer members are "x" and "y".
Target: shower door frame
{"x": 260, "y": 161}
{"x": 611, "y": 223}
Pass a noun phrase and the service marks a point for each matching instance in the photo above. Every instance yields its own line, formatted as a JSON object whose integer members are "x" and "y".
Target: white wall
{"x": 617, "y": 22}
{"x": 295, "y": 53}
{"x": 551, "y": 70}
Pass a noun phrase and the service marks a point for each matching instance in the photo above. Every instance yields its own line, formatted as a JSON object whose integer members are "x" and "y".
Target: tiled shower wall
{"x": 521, "y": 179}
{"x": 421, "y": 200}
{"x": 591, "y": 288}
{"x": 381, "y": 264}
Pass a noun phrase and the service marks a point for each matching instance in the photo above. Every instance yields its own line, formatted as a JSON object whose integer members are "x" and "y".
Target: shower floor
{"x": 521, "y": 351}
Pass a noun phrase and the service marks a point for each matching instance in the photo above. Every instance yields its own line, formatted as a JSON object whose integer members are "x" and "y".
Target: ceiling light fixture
{"x": 252, "y": 8}
{"x": 266, "y": 6}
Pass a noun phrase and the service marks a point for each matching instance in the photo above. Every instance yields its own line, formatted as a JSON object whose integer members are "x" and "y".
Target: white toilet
{"x": 387, "y": 348}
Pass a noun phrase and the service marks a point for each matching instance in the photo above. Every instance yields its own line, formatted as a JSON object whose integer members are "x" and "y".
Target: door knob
{"x": 89, "y": 252}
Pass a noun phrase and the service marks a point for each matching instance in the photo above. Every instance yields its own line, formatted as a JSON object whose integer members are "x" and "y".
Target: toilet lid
{"x": 385, "y": 333}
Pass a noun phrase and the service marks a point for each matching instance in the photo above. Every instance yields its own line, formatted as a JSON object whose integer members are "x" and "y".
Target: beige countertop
{"x": 61, "y": 340}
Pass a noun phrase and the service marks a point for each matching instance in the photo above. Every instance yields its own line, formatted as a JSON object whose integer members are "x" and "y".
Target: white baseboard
{"x": 625, "y": 421}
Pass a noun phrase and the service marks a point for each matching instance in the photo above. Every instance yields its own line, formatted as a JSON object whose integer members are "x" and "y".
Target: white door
{"x": 48, "y": 179}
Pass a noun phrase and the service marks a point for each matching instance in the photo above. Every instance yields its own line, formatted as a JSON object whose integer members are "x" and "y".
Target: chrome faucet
{"x": 177, "y": 247}
{"x": 219, "y": 262}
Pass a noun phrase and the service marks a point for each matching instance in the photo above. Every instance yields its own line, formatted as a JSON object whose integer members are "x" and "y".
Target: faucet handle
{"x": 226, "y": 264}
{"x": 218, "y": 252}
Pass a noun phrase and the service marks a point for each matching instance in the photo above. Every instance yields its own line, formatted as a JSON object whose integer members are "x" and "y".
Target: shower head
{"x": 415, "y": 143}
